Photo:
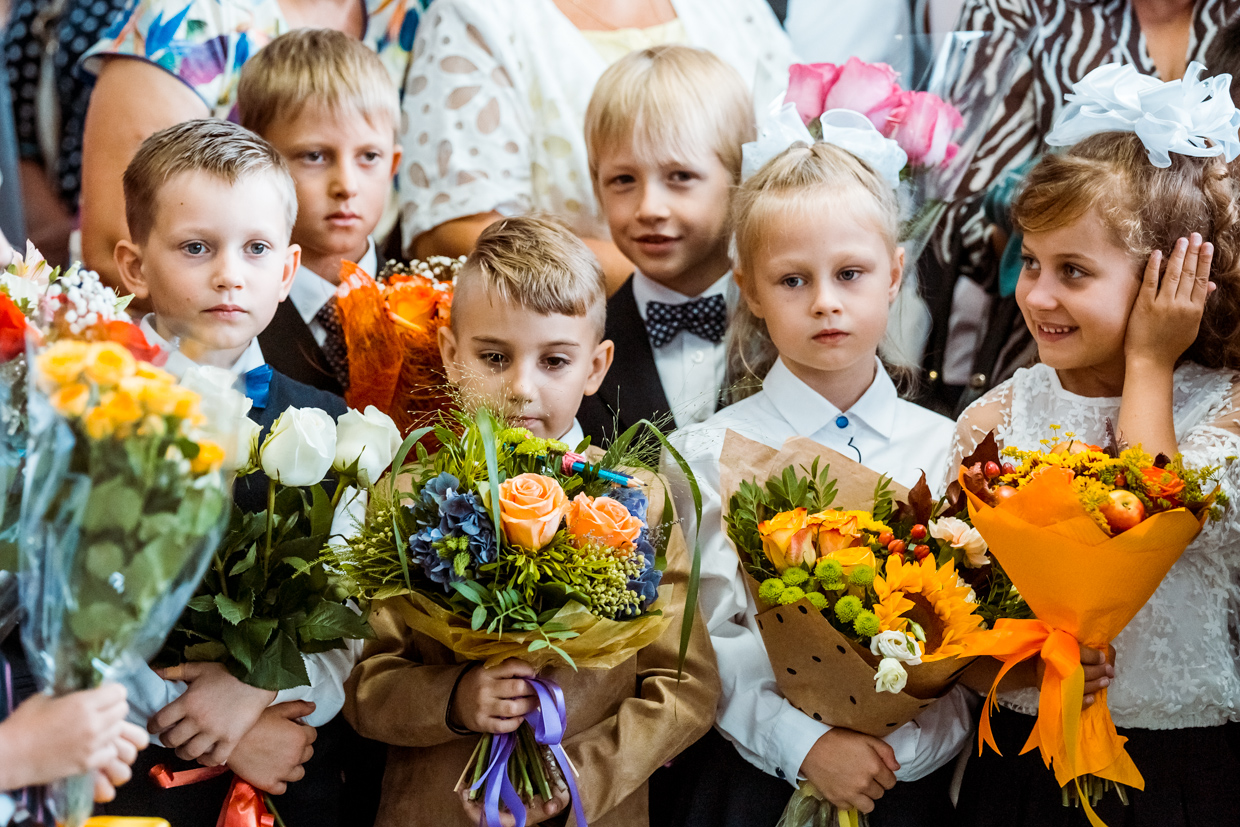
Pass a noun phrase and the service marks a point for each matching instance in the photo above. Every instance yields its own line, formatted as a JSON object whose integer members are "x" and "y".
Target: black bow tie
{"x": 706, "y": 317}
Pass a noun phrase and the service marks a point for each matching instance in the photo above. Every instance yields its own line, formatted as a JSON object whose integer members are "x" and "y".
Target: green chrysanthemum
{"x": 817, "y": 600}
{"x": 792, "y": 595}
{"x": 795, "y": 576}
{"x": 848, "y": 608}
{"x": 829, "y": 571}
{"x": 862, "y": 576}
{"x": 866, "y": 625}
{"x": 770, "y": 591}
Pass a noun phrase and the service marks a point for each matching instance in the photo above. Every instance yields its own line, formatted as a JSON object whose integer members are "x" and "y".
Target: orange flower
{"x": 210, "y": 457}
{"x": 71, "y": 399}
{"x": 602, "y": 520}
{"x": 780, "y": 533}
{"x": 108, "y": 363}
{"x": 1162, "y": 484}
{"x": 530, "y": 508}
{"x": 414, "y": 301}
{"x": 121, "y": 407}
{"x": 12, "y": 329}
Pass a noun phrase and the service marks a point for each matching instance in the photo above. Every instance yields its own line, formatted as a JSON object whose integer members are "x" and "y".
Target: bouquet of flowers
{"x": 864, "y": 623}
{"x": 273, "y": 592}
{"x": 127, "y": 490}
{"x": 504, "y": 545}
{"x": 391, "y": 327}
{"x": 1086, "y": 534}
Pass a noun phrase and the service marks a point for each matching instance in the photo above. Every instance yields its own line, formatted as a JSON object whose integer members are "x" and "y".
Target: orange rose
{"x": 531, "y": 507}
{"x": 602, "y": 520}
{"x": 414, "y": 301}
{"x": 1163, "y": 484}
{"x": 780, "y": 533}
{"x": 71, "y": 399}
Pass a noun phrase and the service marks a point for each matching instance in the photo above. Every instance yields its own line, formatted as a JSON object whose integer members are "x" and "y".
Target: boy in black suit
{"x": 210, "y": 208}
{"x": 327, "y": 104}
{"x": 665, "y": 157}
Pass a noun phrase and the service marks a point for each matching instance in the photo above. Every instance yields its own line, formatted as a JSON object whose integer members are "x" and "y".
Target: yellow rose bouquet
{"x": 128, "y": 488}
{"x": 502, "y": 545}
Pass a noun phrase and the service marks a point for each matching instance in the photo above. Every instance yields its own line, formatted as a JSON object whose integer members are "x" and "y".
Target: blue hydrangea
{"x": 647, "y": 583}
{"x": 633, "y": 499}
{"x": 464, "y": 525}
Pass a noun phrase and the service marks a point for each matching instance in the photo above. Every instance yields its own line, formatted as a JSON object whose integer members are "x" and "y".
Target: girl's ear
{"x": 897, "y": 274}
{"x": 748, "y": 294}
{"x": 447, "y": 352}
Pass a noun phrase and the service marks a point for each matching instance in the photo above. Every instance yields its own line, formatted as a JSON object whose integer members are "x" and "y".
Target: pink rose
{"x": 925, "y": 124}
{"x": 807, "y": 87}
{"x": 868, "y": 88}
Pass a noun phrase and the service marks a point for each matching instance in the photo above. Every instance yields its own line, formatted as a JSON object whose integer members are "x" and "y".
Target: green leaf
{"x": 461, "y": 563}
{"x": 202, "y": 603}
{"x": 104, "y": 559}
{"x": 535, "y": 645}
{"x": 486, "y": 432}
{"x": 246, "y": 563}
{"x": 235, "y": 611}
{"x": 211, "y": 651}
{"x": 329, "y": 621}
{"x": 280, "y": 666}
{"x": 113, "y": 504}
{"x": 320, "y": 511}
{"x": 479, "y": 618}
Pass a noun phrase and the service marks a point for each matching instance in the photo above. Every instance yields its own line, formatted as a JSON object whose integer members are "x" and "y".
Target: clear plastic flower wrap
{"x": 126, "y": 497}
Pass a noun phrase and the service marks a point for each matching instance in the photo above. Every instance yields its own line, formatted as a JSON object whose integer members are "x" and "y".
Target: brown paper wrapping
{"x": 821, "y": 672}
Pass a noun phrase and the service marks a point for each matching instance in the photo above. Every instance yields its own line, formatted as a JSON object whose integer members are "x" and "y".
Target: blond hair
{"x": 323, "y": 66}
{"x": 216, "y": 147}
{"x": 538, "y": 264}
{"x": 795, "y": 180}
{"x": 1145, "y": 208}
{"x": 670, "y": 102}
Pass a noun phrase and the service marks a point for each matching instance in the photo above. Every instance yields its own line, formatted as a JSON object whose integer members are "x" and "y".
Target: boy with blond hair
{"x": 526, "y": 338}
{"x": 210, "y": 208}
{"x": 326, "y": 102}
{"x": 664, "y": 158}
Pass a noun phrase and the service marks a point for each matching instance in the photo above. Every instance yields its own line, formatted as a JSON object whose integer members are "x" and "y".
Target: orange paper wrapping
{"x": 821, "y": 672}
{"x": 1084, "y": 587}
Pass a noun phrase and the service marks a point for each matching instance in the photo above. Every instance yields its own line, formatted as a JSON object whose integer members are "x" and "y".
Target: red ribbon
{"x": 243, "y": 806}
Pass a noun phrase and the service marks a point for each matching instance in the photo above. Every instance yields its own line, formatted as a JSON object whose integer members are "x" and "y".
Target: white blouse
{"x": 493, "y": 116}
{"x": 889, "y": 435}
{"x": 1175, "y": 663}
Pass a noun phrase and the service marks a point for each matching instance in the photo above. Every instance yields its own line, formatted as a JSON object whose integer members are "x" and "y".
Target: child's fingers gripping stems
{"x": 850, "y": 769}
{"x": 210, "y": 718}
{"x": 494, "y": 700}
{"x": 272, "y": 753}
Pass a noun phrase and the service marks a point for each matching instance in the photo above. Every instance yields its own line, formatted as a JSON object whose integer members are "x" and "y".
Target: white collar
{"x": 574, "y": 436}
{"x": 178, "y": 363}
{"x": 808, "y": 412}
{"x": 311, "y": 290}
{"x": 646, "y": 290}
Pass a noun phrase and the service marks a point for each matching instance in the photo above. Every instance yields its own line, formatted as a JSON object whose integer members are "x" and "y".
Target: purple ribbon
{"x": 548, "y": 720}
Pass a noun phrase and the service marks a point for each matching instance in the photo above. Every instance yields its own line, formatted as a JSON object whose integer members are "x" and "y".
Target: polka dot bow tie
{"x": 707, "y": 317}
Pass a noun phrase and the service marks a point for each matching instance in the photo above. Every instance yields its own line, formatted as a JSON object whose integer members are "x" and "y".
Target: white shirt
{"x": 890, "y": 435}
{"x": 691, "y": 369}
{"x": 574, "y": 435}
{"x": 876, "y": 31}
{"x": 311, "y": 291}
{"x": 178, "y": 363}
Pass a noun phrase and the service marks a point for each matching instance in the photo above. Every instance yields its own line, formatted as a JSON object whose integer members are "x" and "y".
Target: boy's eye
{"x": 314, "y": 156}
{"x": 681, "y": 176}
{"x": 555, "y": 362}
{"x": 257, "y": 248}
{"x": 792, "y": 281}
{"x": 371, "y": 157}
{"x": 621, "y": 180}
{"x": 495, "y": 360}
{"x": 195, "y": 248}
{"x": 850, "y": 275}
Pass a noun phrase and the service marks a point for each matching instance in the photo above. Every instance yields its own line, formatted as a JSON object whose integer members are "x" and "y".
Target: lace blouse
{"x": 1175, "y": 663}
{"x": 496, "y": 95}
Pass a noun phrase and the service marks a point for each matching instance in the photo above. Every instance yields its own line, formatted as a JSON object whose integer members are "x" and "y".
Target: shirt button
{"x": 841, "y": 421}
{"x": 780, "y": 772}
{"x": 699, "y": 356}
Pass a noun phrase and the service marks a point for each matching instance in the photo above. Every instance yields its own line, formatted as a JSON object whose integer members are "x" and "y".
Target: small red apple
{"x": 1122, "y": 510}
{"x": 1074, "y": 447}
{"x": 1004, "y": 492}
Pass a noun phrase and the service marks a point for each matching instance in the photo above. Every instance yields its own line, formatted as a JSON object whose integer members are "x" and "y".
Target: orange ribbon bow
{"x": 243, "y": 806}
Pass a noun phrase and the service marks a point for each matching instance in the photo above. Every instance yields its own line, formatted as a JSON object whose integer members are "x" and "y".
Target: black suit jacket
{"x": 250, "y": 491}
{"x": 631, "y": 391}
{"x": 289, "y": 347}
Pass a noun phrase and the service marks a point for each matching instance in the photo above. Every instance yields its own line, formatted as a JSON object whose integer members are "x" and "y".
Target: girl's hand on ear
{"x": 1165, "y": 319}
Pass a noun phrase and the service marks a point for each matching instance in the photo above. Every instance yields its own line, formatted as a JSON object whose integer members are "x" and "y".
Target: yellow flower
{"x": 148, "y": 371}
{"x": 71, "y": 399}
{"x": 98, "y": 424}
{"x": 64, "y": 361}
{"x": 121, "y": 407}
{"x": 950, "y": 619}
{"x": 108, "y": 363}
{"x": 159, "y": 398}
{"x": 210, "y": 457}
{"x": 152, "y": 426}
{"x": 780, "y": 533}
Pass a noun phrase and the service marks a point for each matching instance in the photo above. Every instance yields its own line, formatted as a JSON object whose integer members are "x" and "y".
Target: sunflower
{"x": 934, "y": 597}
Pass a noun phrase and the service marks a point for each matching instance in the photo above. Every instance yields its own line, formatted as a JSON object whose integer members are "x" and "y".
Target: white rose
{"x": 897, "y": 645}
{"x": 370, "y": 439}
{"x": 248, "y": 432}
{"x": 890, "y": 677}
{"x": 300, "y": 448}
{"x": 961, "y": 535}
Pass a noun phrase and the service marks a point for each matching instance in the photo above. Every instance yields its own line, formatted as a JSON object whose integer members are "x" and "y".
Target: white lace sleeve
{"x": 464, "y": 125}
{"x": 1214, "y": 441}
{"x": 989, "y": 413}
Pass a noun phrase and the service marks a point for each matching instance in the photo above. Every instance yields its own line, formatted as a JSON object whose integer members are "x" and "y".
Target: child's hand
{"x": 116, "y": 772}
{"x": 494, "y": 700}
{"x": 1164, "y": 321}
{"x": 271, "y": 754}
{"x": 537, "y": 811}
{"x": 850, "y": 769}
{"x": 214, "y": 714}
{"x": 1099, "y": 670}
{"x": 46, "y": 739}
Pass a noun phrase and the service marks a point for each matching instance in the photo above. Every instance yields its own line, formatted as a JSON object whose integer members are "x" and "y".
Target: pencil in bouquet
{"x": 860, "y": 606}
{"x": 502, "y": 545}
{"x": 1086, "y": 534}
{"x": 391, "y": 324}
{"x": 127, "y": 492}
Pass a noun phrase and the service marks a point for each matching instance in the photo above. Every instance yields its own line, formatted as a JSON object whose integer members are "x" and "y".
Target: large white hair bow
{"x": 849, "y": 130}
{"x": 1189, "y": 116}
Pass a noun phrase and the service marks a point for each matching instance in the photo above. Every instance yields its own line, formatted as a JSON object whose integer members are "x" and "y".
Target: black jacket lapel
{"x": 289, "y": 347}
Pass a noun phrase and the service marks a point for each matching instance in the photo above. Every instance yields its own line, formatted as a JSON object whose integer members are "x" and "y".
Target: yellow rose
{"x": 108, "y": 363}
{"x": 184, "y": 402}
{"x": 159, "y": 398}
{"x": 122, "y": 407}
{"x": 780, "y": 533}
{"x": 530, "y": 508}
{"x": 210, "y": 457}
{"x": 63, "y": 362}
{"x": 842, "y": 529}
{"x": 148, "y": 371}
{"x": 602, "y": 520}
{"x": 851, "y": 557}
{"x": 98, "y": 424}
{"x": 71, "y": 400}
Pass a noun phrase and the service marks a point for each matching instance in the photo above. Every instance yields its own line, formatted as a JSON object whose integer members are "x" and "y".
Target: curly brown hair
{"x": 1146, "y": 208}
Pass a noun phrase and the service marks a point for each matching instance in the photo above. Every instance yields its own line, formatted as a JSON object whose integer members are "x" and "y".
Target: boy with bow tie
{"x": 211, "y": 208}
{"x": 665, "y": 158}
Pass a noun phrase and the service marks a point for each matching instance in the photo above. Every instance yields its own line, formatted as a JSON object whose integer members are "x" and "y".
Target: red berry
{"x": 991, "y": 470}
{"x": 897, "y": 546}
{"x": 1009, "y": 468}
{"x": 1121, "y": 481}
{"x": 921, "y": 552}
{"x": 918, "y": 532}
{"x": 885, "y": 538}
